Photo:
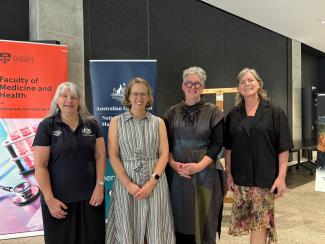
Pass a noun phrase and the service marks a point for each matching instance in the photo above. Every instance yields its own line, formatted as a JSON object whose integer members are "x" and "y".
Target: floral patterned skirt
{"x": 252, "y": 209}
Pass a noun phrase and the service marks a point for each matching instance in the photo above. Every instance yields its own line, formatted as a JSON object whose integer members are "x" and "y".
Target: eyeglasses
{"x": 139, "y": 94}
{"x": 190, "y": 84}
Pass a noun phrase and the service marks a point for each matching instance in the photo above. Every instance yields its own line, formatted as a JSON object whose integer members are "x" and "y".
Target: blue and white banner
{"x": 108, "y": 81}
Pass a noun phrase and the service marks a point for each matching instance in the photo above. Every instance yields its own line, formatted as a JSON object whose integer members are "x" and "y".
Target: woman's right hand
{"x": 132, "y": 188}
{"x": 178, "y": 167}
{"x": 230, "y": 183}
{"x": 56, "y": 208}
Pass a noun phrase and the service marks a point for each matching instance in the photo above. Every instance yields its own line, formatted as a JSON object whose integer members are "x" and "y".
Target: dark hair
{"x": 127, "y": 93}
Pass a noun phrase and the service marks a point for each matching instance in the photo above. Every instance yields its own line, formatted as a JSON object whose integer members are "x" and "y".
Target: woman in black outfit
{"x": 69, "y": 152}
{"x": 257, "y": 141}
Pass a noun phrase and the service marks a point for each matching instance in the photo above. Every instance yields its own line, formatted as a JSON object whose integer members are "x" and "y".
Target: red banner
{"x": 29, "y": 74}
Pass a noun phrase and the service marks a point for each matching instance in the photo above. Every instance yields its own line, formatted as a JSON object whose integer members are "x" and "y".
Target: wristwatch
{"x": 155, "y": 176}
{"x": 100, "y": 182}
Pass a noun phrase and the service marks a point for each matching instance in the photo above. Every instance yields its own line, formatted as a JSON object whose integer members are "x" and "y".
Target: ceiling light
{"x": 322, "y": 22}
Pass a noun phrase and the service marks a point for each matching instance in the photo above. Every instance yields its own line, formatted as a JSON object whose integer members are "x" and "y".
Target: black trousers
{"x": 182, "y": 239}
{"x": 84, "y": 224}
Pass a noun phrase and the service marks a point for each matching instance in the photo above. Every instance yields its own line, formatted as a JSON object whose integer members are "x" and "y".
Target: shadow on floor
{"x": 297, "y": 177}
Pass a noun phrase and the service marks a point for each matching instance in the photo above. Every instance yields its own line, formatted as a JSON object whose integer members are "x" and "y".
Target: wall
{"x": 311, "y": 67}
{"x": 61, "y": 20}
{"x": 295, "y": 113}
{"x": 310, "y": 70}
{"x": 322, "y": 75}
{"x": 184, "y": 33}
{"x": 14, "y": 24}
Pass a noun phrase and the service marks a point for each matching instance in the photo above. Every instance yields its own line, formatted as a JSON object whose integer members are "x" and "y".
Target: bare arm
{"x": 163, "y": 149}
{"x": 42, "y": 155}
{"x": 160, "y": 164}
{"x": 178, "y": 166}
{"x": 214, "y": 148}
{"x": 193, "y": 168}
{"x": 280, "y": 184}
{"x": 114, "y": 157}
{"x": 100, "y": 154}
{"x": 230, "y": 180}
{"x": 228, "y": 161}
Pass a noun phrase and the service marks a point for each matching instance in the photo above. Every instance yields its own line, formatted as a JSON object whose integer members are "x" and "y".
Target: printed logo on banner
{"x": 109, "y": 192}
{"x": 118, "y": 93}
{"x": 5, "y": 57}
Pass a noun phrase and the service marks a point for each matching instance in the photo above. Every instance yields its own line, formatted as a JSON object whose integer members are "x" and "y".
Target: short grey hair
{"x": 194, "y": 70}
{"x": 75, "y": 91}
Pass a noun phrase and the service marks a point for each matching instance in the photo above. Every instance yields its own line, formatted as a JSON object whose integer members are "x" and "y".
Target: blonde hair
{"x": 262, "y": 94}
{"x": 75, "y": 91}
{"x": 127, "y": 93}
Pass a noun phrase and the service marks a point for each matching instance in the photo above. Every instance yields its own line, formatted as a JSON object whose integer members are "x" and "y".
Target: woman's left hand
{"x": 97, "y": 196}
{"x": 146, "y": 189}
{"x": 279, "y": 186}
{"x": 191, "y": 168}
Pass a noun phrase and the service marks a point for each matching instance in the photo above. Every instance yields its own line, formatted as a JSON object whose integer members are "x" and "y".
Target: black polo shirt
{"x": 255, "y": 148}
{"x": 72, "y": 163}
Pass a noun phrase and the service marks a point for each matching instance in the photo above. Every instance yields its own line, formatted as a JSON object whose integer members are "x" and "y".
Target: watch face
{"x": 157, "y": 177}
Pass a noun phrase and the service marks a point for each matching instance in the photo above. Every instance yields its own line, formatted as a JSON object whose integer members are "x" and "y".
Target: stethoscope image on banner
{"x": 24, "y": 193}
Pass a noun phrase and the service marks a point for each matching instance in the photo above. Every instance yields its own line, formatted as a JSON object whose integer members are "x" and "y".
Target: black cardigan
{"x": 254, "y": 152}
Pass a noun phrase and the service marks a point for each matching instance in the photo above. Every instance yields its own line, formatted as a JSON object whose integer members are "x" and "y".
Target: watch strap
{"x": 155, "y": 176}
{"x": 100, "y": 182}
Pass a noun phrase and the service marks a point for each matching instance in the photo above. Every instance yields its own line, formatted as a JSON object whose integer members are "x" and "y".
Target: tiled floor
{"x": 300, "y": 215}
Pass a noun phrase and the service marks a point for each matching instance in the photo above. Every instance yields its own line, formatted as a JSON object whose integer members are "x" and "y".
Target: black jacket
{"x": 254, "y": 152}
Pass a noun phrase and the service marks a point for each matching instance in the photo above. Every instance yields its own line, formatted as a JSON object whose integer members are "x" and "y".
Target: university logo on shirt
{"x": 86, "y": 132}
{"x": 57, "y": 133}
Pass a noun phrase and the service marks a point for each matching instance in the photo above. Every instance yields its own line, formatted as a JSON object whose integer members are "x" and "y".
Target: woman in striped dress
{"x": 138, "y": 150}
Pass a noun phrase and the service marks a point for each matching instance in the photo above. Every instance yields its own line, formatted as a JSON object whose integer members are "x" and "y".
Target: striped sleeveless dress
{"x": 131, "y": 220}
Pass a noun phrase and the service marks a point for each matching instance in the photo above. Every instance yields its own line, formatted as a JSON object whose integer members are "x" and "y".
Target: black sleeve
{"x": 166, "y": 120}
{"x": 227, "y": 141}
{"x": 216, "y": 139}
{"x": 43, "y": 135}
{"x": 282, "y": 131}
{"x": 98, "y": 130}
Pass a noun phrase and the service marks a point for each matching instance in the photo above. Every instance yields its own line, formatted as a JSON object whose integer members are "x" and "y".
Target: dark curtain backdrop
{"x": 184, "y": 33}
{"x": 14, "y": 24}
